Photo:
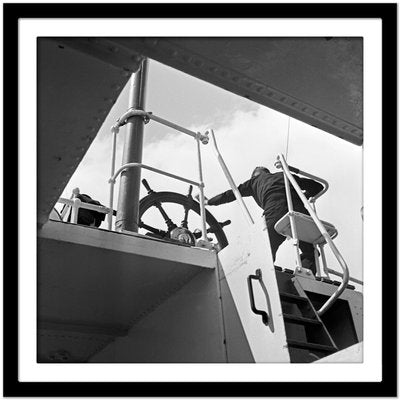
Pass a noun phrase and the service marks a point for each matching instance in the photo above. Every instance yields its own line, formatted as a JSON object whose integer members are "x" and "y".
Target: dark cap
{"x": 257, "y": 171}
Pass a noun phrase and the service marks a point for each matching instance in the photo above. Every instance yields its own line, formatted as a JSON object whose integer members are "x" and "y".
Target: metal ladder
{"x": 324, "y": 237}
{"x": 307, "y": 336}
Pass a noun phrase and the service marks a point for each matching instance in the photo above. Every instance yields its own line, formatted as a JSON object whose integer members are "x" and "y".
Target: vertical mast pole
{"x": 128, "y": 200}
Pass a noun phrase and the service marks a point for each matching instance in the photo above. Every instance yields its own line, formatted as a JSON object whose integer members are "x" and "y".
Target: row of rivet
{"x": 245, "y": 82}
{"x": 260, "y": 88}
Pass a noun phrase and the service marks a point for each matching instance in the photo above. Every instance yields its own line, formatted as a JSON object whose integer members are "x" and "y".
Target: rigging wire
{"x": 287, "y": 139}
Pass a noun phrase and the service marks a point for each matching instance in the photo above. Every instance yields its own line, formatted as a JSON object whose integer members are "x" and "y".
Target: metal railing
{"x": 65, "y": 209}
{"x": 74, "y": 204}
{"x": 311, "y": 209}
{"x": 312, "y": 200}
{"x": 147, "y": 116}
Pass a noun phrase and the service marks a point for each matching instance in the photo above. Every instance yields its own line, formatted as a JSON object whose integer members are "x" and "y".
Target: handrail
{"x": 315, "y": 178}
{"x": 88, "y": 206}
{"x": 231, "y": 182}
{"x": 65, "y": 210}
{"x": 293, "y": 227}
{"x": 76, "y": 204}
{"x": 132, "y": 165}
{"x": 324, "y": 233}
{"x": 149, "y": 115}
{"x": 200, "y": 185}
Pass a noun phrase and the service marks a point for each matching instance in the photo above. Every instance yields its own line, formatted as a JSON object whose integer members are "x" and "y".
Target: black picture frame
{"x": 12, "y": 12}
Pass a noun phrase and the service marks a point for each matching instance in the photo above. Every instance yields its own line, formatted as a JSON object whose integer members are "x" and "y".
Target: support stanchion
{"x": 129, "y": 190}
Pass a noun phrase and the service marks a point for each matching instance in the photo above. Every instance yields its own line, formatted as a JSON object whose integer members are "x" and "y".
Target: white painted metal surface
{"x": 187, "y": 327}
{"x": 353, "y": 354}
{"x": 134, "y": 244}
{"x": 240, "y": 261}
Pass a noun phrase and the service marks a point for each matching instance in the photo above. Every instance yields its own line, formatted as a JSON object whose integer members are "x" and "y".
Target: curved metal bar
{"x": 123, "y": 119}
{"x": 232, "y": 184}
{"x": 315, "y": 178}
{"x": 324, "y": 233}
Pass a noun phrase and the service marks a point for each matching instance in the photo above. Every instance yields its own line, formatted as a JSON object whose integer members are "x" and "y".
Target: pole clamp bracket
{"x": 131, "y": 112}
{"x": 203, "y": 137}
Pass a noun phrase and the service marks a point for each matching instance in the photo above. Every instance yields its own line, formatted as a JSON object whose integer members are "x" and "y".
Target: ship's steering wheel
{"x": 179, "y": 232}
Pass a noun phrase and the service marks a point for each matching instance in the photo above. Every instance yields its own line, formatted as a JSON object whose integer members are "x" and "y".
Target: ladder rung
{"x": 293, "y": 297}
{"x": 288, "y": 270}
{"x": 336, "y": 283}
{"x": 311, "y": 346}
{"x": 300, "y": 320}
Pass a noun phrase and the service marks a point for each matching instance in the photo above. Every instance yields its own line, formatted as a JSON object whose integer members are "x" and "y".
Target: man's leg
{"x": 307, "y": 249}
{"x": 275, "y": 239}
{"x": 307, "y": 256}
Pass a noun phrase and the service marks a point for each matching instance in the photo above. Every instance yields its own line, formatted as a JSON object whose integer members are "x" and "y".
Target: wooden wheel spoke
{"x": 167, "y": 219}
{"x": 184, "y": 223}
{"x": 152, "y": 229}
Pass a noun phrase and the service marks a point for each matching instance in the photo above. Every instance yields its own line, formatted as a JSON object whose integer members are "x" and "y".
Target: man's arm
{"x": 310, "y": 186}
{"x": 228, "y": 196}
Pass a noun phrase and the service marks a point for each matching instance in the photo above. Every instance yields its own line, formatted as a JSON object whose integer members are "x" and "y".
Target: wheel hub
{"x": 183, "y": 235}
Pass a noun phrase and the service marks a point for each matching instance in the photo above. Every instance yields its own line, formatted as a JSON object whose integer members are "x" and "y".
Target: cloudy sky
{"x": 248, "y": 135}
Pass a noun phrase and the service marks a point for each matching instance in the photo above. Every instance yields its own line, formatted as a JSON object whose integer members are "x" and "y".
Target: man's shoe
{"x": 309, "y": 264}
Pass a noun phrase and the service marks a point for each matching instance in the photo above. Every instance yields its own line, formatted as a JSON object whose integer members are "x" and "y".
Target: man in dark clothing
{"x": 268, "y": 190}
{"x": 88, "y": 217}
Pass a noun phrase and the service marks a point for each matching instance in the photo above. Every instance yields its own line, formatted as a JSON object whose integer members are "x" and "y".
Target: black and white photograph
{"x": 272, "y": 127}
{"x": 205, "y": 200}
